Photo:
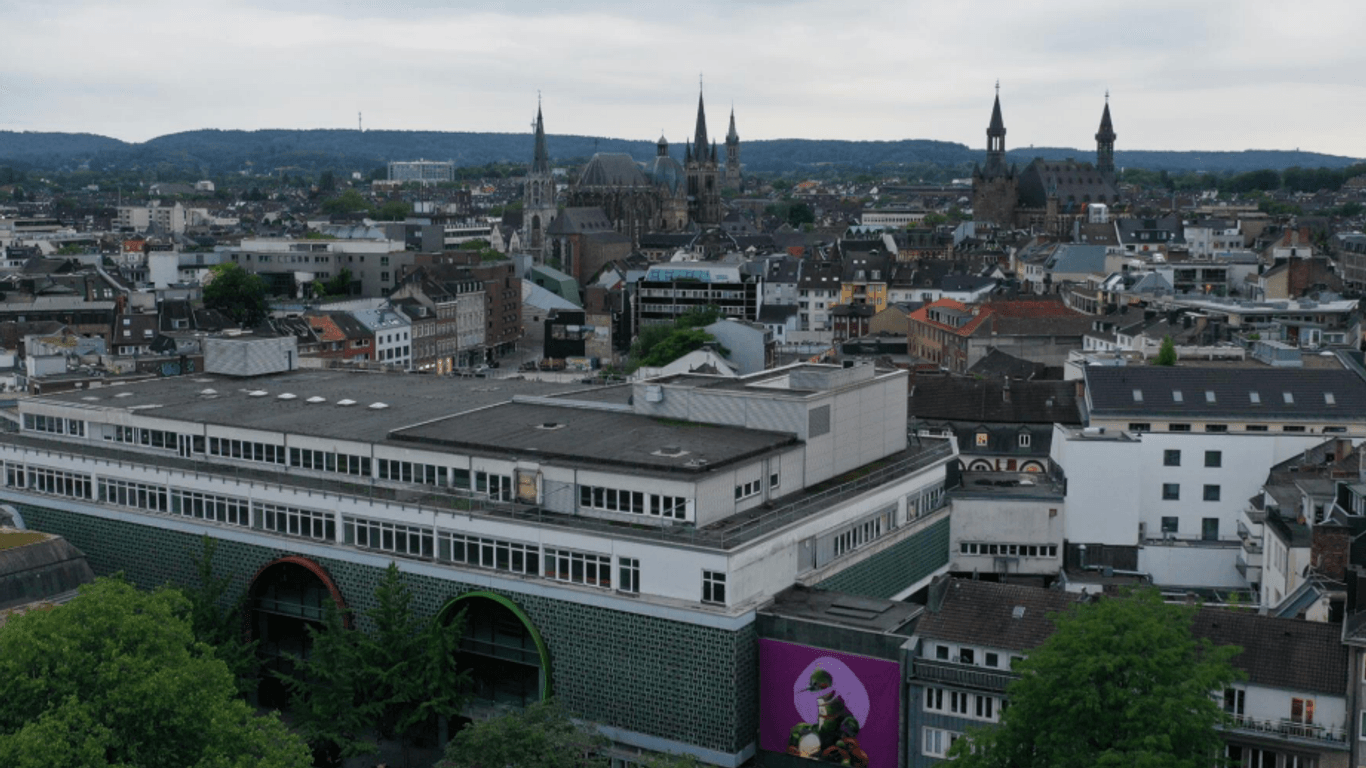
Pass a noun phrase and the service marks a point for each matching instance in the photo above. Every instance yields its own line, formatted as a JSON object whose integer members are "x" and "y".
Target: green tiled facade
{"x": 897, "y": 567}
{"x": 669, "y": 679}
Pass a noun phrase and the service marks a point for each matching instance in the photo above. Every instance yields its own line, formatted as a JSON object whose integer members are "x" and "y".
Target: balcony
{"x": 1250, "y": 567}
{"x": 1331, "y": 737}
{"x": 929, "y": 670}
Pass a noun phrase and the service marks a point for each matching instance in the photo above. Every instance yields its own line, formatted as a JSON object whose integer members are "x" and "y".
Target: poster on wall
{"x": 828, "y": 706}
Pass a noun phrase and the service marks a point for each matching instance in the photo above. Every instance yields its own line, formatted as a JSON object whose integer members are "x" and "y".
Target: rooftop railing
{"x": 1335, "y": 736}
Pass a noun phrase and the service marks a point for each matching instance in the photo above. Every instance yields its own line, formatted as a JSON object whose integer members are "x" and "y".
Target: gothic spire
{"x": 732, "y": 137}
{"x": 1107, "y": 128}
{"x": 700, "y": 135}
{"x": 540, "y": 162}
{"x": 998, "y": 126}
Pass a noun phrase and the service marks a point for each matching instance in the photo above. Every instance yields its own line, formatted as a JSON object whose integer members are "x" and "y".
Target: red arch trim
{"x": 317, "y": 570}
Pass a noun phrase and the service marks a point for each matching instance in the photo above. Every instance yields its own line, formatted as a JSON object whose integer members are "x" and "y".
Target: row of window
{"x": 246, "y": 450}
{"x": 391, "y": 537}
{"x": 1008, "y": 550}
{"x": 974, "y": 706}
{"x": 862, "y": 533}
{"x": 329, "y": 461}
{"x": 635, "y": 502}
{"x": 970, "y": 656}
{"x": 559, "y": 564}
{"x": 578, "y": 567}
{"x": 935, "y": 742}
{"x": 125, "y": 493}
{"x": 1172, "y": 492}
{"x": 414, "y": 472}
{"x": 1209, "y": 527}
{"x": 1172, "y": 458}
{"x": 56, "y": 425}
{"x": 1148, "y": 427}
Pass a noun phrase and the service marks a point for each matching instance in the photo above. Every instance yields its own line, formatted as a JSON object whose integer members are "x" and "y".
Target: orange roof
{"x": 982, "y": 312}
{"x": 325, "y": 328}
{"x": 1032, "y": 308}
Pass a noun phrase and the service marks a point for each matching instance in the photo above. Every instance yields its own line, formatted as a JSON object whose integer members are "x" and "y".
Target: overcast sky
{"x": 1183, "y": 74}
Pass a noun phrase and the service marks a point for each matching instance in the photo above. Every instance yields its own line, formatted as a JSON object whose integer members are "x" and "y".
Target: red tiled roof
{"x": 922, "y": 315}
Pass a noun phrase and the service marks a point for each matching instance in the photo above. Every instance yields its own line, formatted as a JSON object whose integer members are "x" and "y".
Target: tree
{"x": 1166, "y": 354}
{"x": 327, "y": 182}
{"x": 349, "y": 201}
{"x": 219, "y": 625}
{"x": 658, "y": 345}
{"x": 338, "y": 285}
{"x": 541, "y": 736}
{"x": 799, "y": 214}
{"x": 1120, "y": 683}
{"x": 237, "y": 293}
{"x": 392, "y": 683}
{"x": 394, "y": 210}
{"x": 116, "y": 677}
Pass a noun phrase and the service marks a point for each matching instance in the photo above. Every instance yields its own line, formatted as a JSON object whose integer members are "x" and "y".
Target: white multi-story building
{"x": 642, "y": 524}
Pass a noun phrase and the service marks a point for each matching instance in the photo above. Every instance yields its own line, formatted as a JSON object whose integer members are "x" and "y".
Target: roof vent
{"x": 257, "y": 393}
{"x": 124, "y": 394}
{"x": 287, "y": 396}
{"x": 672, "y": 451}
{"x": 547, "y": 425}
{"x": 91, "y": 398}
{"x": 1017, "y": 612}
{"x": 378, "y": 406}
{"x": 208, "y": 392}
{"x": 346, "y": 402}
{"x": 316, "y": 399}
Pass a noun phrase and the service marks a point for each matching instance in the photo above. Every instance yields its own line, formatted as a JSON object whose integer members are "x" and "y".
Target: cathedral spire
{"x": 1105, "y": 141}
{"x": 996, "y": 138}
{"x": 732, "y": 137}
{"x": 700, "y": 135}
{"x": 540, "y": 162}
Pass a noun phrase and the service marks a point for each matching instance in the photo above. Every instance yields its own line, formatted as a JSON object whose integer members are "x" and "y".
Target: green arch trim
{"x": 448, "y": 611}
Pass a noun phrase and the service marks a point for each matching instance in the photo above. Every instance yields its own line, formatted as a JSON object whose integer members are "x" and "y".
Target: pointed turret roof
{"x": 700, "y": 135}
{"x": 998, "y": 126}
{"x": 1107, "y": 129}
{"x": 540, "y": 162}
{"x": 732, "y": 137}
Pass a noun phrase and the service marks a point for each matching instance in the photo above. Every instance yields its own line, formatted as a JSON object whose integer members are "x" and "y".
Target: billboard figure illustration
{"x": 833, "y": 704}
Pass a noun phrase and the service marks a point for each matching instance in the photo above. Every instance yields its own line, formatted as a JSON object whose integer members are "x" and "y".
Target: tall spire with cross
{"x": 1105, "y": 140}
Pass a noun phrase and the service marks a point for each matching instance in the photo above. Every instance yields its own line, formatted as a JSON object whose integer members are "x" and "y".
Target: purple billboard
{"x": 828, "y": 706}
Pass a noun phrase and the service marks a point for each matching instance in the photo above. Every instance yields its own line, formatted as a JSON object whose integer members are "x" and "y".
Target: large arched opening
{"x": 286, "y": 597}
{"x": 503, "y": 651}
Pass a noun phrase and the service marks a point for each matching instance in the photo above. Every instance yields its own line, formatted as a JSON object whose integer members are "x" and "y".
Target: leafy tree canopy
{"x": 1120, "y": 683}
{"x": 1166, "y": 354}
{"x": 658, "y": 345}
{"x": 237, "y": 293}
{"x": 116, "y": 678}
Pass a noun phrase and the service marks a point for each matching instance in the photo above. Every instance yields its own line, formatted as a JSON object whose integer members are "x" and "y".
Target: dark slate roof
{"x": 611, "y": 169}
{"x": 956, "y": 283}
{"x": 776, "y": 313}
{"x": 956, "y": 398}
{"x": 1110, "y": 391}
{"x": 574, "y": 221}
{"x": 1002, "y": 365}
{"x": 1279, "y": 653}
{"x": 984, "y": 613}
{"x": 39, "y": 570}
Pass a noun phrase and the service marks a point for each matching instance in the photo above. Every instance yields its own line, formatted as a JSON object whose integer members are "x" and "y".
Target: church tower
{"x": 704, "y": 189}
{"x": 995, "y": 187}
{"x": 733, "y": 180}
{"x": 1105, "y": 141}
{"x": 538, "y": 197}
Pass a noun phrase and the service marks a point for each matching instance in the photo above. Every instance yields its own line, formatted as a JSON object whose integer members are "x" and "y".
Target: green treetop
{"x": 1121, "y": 683}
{"x": 116, "y": 678}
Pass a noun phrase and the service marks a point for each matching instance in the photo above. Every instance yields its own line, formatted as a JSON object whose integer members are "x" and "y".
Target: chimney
{"x": 1005, "y": 390}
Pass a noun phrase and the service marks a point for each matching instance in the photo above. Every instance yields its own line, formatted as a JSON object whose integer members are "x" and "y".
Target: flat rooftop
{"x": 851, "y": 611}
{"x": 590, "y": 435}
{"x": 406, "y": 399}
{"x": 1014, "y": 485}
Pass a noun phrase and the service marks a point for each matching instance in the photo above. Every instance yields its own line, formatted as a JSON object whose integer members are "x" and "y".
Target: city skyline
{"x": 1218, "y": 76}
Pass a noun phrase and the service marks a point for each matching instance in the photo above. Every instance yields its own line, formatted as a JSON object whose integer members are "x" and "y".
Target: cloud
{"x": 1211, "y": 75}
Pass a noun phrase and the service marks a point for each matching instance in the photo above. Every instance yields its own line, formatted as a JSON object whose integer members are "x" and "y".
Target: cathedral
{"x": 662, "y": 195}
{"x": 1046, "y": 193}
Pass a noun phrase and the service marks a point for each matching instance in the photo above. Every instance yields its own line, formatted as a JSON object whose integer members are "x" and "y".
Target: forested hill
{"x": 211, "y": 152}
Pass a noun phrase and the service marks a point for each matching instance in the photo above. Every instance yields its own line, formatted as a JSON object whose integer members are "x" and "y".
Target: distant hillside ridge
{"x": 219, "y": 151}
